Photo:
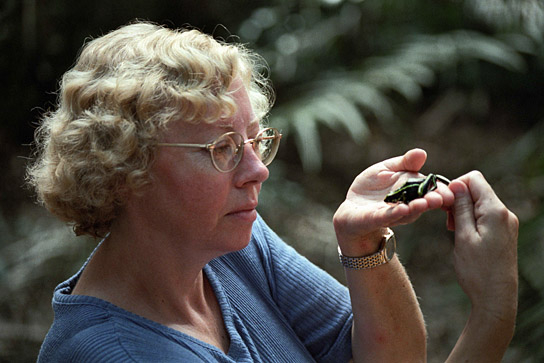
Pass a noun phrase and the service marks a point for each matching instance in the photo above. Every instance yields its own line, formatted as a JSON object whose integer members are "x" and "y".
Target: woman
{"x": 158, "y": 145}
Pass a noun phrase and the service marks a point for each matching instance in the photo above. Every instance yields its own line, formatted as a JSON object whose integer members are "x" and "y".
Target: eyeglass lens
{"x": 266, "y": 145}
{"x": 226, "y": 152}
{"x": 228, "y": 149}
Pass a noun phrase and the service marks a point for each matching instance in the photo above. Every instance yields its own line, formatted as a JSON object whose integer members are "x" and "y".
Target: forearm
{"x": 485, "y": 337}
{"x": 485, "y": 260}
{"x": 388, "y": 323}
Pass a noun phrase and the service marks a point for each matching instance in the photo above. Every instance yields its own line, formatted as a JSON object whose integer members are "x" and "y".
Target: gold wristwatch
{"x": 383, "y": 256}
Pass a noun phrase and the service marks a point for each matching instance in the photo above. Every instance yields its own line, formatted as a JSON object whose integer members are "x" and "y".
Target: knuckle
{"x": 514, "y": 221}
{"x": 476, "y": 174}
{"x": 465, "y": 235}
{"x": 503, "y": 214}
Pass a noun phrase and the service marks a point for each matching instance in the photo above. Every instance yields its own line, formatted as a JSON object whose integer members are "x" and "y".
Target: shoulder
{"x": 89, "y": 330}
{"x": 81, "y": 332}
{"x": 102, "y": 343}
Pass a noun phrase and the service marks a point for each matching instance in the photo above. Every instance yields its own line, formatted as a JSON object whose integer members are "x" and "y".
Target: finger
{"x": 408, "y": 219}
{"x": 463, "y": 209}
{"x": 448, "y": 198}
{"x": 442, "y": 197}
{"x": 412, "y": 160}
{"x": 411, "y": 212}
{"x": 399, "y": 214}
{"x": 478, "y": 186}
{"x": 434, "y": 200}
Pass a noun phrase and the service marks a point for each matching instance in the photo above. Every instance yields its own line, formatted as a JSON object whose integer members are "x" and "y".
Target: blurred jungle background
{"x": 356, "y": 82}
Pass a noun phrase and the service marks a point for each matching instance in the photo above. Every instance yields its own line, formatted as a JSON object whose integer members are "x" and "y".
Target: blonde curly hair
{"x": 98, "y": 143}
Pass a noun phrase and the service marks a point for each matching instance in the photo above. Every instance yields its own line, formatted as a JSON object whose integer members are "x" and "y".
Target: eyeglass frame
{"x": 210, "y": 146}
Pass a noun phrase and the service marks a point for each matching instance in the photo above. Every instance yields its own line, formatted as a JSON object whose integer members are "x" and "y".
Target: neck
{"x": 151, "y": 283}
{"x": 157, "y": 274}
{"x": 158, "y": 279}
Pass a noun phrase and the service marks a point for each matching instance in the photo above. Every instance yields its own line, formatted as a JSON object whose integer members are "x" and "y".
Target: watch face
{"x": 390, "y": 247}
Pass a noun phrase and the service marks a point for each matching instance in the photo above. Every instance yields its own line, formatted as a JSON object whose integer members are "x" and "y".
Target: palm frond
{"x": 365, "y": 96}
{"x": 327, "y": 107}
{"x": 479, "y": 46}
{"x": 507, "y": 14}
{"x": 308, "y": 141}
{"x": 343, "y": 98}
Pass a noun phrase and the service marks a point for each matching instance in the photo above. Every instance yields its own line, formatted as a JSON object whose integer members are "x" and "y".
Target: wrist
{"x": 503, "y": 313}
{"x": 485, "y": 337}
{"x": 365, "y": 245}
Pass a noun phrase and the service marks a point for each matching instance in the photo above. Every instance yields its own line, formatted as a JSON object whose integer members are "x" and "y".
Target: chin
{"x": 239, "y": 241}
{"x": 244, "y": 242}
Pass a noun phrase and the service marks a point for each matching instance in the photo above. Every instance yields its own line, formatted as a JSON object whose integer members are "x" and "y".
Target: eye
{"x": 224, "y": 148}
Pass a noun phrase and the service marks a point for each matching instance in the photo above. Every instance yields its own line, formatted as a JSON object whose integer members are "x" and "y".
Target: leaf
{"x": 337, "y": 111}
{"x": 308, "y": 141}
{"x": 476, "y": 45}
{"x": 367, "y": 97}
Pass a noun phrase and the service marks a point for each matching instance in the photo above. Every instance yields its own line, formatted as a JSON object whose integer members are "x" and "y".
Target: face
{"x": 190, "y": 202}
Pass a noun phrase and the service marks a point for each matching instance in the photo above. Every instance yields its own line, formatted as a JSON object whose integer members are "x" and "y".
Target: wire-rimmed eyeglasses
{"x": 227, "y": 150}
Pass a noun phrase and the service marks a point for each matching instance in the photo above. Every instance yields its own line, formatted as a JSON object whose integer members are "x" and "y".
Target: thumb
{"x": 463, "y": 208}
{"x": 412, "y": 160}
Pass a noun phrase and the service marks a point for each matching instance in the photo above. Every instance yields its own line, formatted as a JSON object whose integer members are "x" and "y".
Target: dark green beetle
{"x": 415, "y": 188}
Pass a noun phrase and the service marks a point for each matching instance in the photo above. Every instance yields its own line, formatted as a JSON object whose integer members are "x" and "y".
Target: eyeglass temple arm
{"x": 207, "y": 146}
{"x": 202, "y": 146}
{"x": 277, "y": 136}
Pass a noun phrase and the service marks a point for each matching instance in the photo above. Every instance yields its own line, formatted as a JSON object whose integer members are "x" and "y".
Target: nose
{"x": 251, "y": 169}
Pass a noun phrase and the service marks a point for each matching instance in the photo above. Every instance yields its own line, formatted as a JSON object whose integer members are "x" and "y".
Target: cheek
{"x": 191, "y": 191}
{"x": 199, "y": 194}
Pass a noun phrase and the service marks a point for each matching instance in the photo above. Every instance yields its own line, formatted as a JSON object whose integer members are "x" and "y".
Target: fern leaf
{"x": 308, "y": 141}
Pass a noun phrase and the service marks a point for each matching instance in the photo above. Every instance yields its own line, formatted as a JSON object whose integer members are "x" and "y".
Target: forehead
{"x": 244, "y": 111}
{"x": 244, "y": 119}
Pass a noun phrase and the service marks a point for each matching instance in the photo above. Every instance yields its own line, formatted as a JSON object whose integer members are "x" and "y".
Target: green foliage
{"x": 343, "y": 98}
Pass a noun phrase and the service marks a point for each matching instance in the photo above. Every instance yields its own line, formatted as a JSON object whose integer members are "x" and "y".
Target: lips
{"x": 244, "y": 209}
{"x": 247, "y": 212}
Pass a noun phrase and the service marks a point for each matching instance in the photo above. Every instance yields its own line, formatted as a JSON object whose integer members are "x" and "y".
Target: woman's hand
{"x": 485, "y": 254}
{"x": 361, "y": 218}
{"x": 485, "y": 260}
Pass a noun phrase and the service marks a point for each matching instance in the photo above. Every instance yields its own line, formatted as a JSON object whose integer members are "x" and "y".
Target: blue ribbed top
{"x": 276, "y": 305}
